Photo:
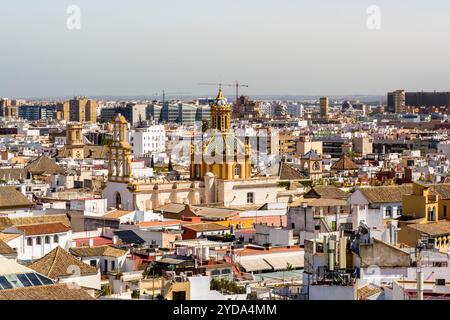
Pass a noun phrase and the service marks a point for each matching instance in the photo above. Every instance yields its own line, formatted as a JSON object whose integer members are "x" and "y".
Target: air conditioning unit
{"x": 439, "y": 282}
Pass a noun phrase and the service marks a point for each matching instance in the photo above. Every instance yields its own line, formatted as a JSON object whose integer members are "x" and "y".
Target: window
{"x": 237, "y": 170}
{"x": 56, "y": 239}
{"x": 293, "y": 225}
{"x": 445, "y": 211}
{"x": 93, "y": 263}
{"x": 388, "y": 212}
{"x": 113, "y": 265}
{"x": 38, "y": 240}
{"x": 30, "y": 241}
{"x": 250, "y": 197}
{"x": 47, "y": 239}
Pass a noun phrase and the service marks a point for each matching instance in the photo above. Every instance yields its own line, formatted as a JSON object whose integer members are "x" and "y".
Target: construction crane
{"x": 236, "y": 85}
{"x": 164, "y": 93}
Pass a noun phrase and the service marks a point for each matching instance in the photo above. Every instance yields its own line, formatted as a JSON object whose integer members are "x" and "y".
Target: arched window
{"x": 56, "y": 239}
{"x": 118, "y": 201}
{"x": 38, "y": 240}
{"x": 30, "y": 241}
{"x": 47, "y": 239}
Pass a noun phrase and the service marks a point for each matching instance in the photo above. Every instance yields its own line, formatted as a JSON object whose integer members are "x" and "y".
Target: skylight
{"x": 23, "y": 280}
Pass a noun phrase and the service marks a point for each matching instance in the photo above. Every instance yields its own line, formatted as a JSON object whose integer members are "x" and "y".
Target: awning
{"x": 255, "y": 265}
{"x": 282, "y": 262}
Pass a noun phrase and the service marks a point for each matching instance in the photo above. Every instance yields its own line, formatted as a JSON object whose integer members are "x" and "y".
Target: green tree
{"x": 152, "y": 163}
{"x": 170, "y": 166}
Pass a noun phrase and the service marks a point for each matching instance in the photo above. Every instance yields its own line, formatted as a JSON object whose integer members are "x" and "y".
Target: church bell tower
{"x": 119, "y": 154}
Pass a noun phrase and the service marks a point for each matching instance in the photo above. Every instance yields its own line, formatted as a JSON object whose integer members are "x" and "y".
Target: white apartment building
{"x": 146, "y": 141}
{"x": 32, "y": 242}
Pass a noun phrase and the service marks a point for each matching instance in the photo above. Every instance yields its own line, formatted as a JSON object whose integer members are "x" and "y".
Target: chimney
{"x": 91, "y": 242}
{"x": 419, "y": 284}
{"x": 115, "y": 239}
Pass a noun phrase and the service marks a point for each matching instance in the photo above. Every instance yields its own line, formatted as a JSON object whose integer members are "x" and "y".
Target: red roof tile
{"x": 45, "y": 228}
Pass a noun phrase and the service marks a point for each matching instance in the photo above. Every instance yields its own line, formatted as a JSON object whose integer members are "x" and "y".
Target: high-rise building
{"x": 62, "y": 111}
{"x": 90, "y": 112}
{"x": 324, "y": 107}
{"x": 4, "y": 103}
{"x": 187, "y": 114}
{"x": 244, "y": 108}
{"x": 170, "y": 113}
{"x": 399, "y": 101}
{"x": 203, "y": 113}
{"x": 133, "y": 113}
{"x": 424, "y": 100}
{"x": 153, "y": 112}
{"x": 37, "y": 112}
{"x": 78, "y": 109}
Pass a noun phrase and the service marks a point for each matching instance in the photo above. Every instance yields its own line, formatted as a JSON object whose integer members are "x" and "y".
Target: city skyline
{"x": 287, "y": 48}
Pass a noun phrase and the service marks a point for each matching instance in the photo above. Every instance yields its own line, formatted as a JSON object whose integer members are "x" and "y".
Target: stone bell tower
{"x": 119, "y": 154}
{"x": 75, "y": 145}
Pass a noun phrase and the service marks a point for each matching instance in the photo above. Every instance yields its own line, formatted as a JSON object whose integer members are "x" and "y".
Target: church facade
{"x": 220, "y": 171}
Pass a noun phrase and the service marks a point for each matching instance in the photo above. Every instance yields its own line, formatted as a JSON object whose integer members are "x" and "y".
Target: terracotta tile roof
{"x": 58, "y": 262}
{"x": 115, "y": 214}
{"x": 386, "y": 194}
{"x": 6, "y": 222}
{"x": 47, "y": 292}
{"x": 434, "y": 228}
{"x": 329, "y": 192}
{"x": 106, "y": 251}
{"x": 197, "y": 211}
{"x": 343, "y": 164}
{"x": 98, "y": 241}
{"x": 44, "y": 228}
{"x": 291, "y": 172}
{"x": 90, "y": 152}
{"x": 10, "y": 197}
{"x": 44, "y": 165}
{"x": 204, "y": 227}
{"x": 443, "y": 190}
{"x": 367, "y": 291}
{"x": 160, "y": 223}
{"x": 321, "y": 202}
{"x": 13, "y": 174}
{"x": 5, "y": 249}
{"x": 9, "y": 236}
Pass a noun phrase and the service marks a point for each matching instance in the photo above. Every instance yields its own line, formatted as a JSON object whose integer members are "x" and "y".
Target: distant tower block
{"x": 119, "y": 155}
{"x": 75, "y": 145}
{"x": 324, "y": 107}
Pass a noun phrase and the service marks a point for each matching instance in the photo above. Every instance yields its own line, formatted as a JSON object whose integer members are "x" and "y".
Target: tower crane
{"x": 236, "y": 85}
{"x": 164, "y": 94}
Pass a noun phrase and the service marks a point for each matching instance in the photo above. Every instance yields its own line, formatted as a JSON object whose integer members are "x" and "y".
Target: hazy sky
{"x": 277, "y": 47}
